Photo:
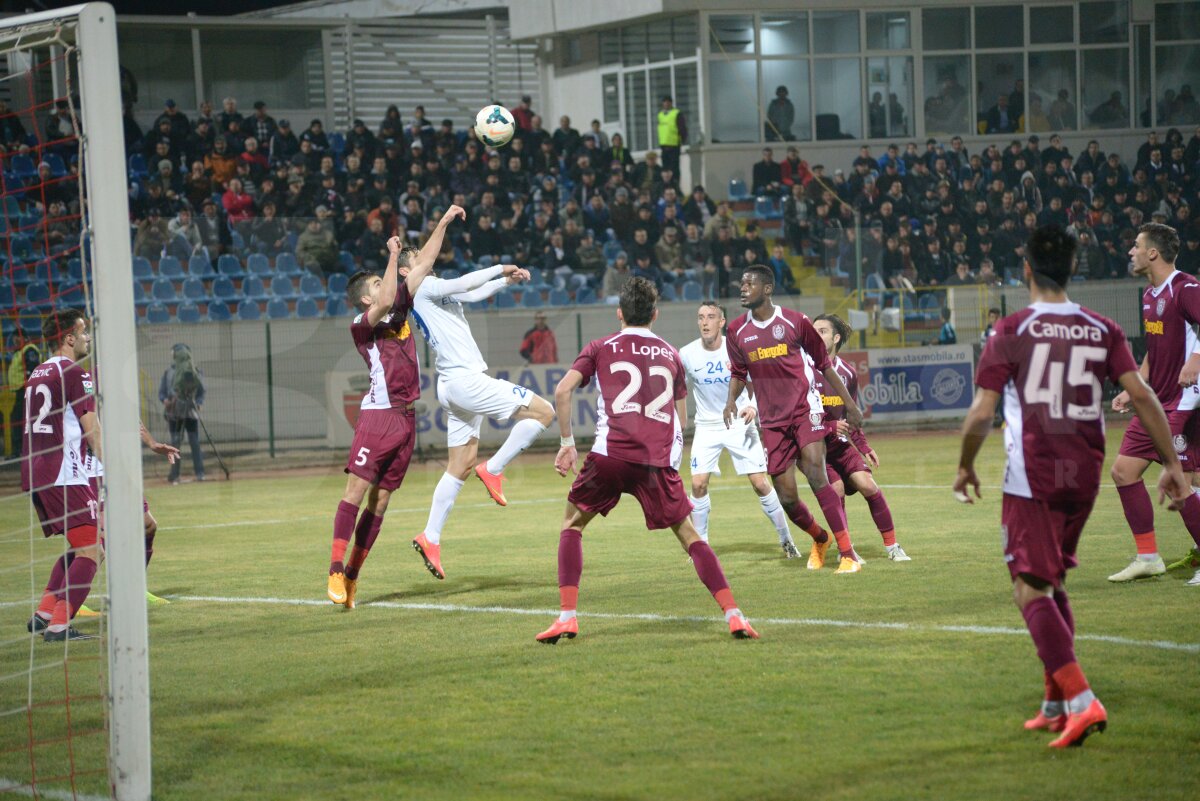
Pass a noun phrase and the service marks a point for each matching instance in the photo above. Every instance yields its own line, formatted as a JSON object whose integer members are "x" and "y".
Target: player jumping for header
{"x": 706, "y": 364}
{"x": 468, "y": 394}
{"x": 639, "y": 443}
{"x": 385, "y": 432}
{"x": 1049, "y": 361}
{"x": 1170, "y": 307}
{"x": 777, "y": 349}
{"x": 847, "y": 452}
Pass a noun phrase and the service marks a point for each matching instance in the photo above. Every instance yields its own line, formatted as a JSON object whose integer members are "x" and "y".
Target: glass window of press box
{"x": 884, "y": 74}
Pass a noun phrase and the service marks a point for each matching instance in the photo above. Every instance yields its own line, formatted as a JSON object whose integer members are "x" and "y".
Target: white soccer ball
{"x": 494, "y": 126}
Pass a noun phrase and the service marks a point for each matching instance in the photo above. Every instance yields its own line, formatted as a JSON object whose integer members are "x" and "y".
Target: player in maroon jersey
{"x": 384, "y": 433}
{"x": 781, "y": 353}
{"x": 639, "y": 442}
{"x": 60, "y": 423}
{"x": 1170, "y": 307}
{"x": 847, "y": 451}
{"x": 1049, "y": 361}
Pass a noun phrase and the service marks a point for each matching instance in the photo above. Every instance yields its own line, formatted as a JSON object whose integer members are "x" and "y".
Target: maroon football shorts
{"x": 382, "y": 446}
{"x": 843, "y": 460}
{"x": 63, "y": 508}
{"x": 1040, "y": 537}
{"x": 599, "y": 485}
{"x": 784, "y": 444}
{"x": 95, "y": 482}
{"x": 1185, "y": 437}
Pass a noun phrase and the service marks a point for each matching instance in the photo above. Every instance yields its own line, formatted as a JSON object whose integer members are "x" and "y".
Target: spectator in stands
{"x": 538, "y": 346}
{"x": 946, "y": 334}
{"x": 767, "y": 175}
{"x": 1188, "y": 260}
{"x": 1112, "y": 113}
{"x": 199, "y": 143}
{"x": 12, "y": 132}
{"x": 268, "y": 234}
{"x": 371, "y": 249}
{"x": 672, "y": 133}
{"x": 391, "y": 126}
{"x": 184, "y": 235}
{"x": 668, "y": 253}
{"x": 253, "y": 156}
{"x": 179, "y": 127}
{"x": 315, "y": 133}
{"x": 781, "y": 115}
{"x": 316, "y": 249}
{"x": 1062, "y": 112}
{"x": 238, "y": 205}
{"x": 615, "y": 277}
{"x": 221, "y": 164}
{"x": 152, "y": 236}
{"x": 618, "y": 154}
{"x": 228, "y": 115}
{"x": 962, "y": 275}
{"x": 785, "y": 281}
{"x": 590, "y": 261}
{"x": 566, "y": 139}
{"x": 284, "y": 144}
{"x": 793, "y": 170}
{"x": 360, "y": 138}
{"x": 999, "y": 118}
{"x": 523, "y": 114}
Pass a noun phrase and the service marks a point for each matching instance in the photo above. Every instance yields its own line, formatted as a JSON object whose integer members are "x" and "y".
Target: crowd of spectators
{"x": 946, "y": 216}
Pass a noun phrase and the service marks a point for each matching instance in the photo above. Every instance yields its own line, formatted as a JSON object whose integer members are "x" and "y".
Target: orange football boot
{"x": 558, "y": 630}
{"x": 432, "y": 554}
{"x": 494, "y": 484}
{"x": 1091, "y": 720}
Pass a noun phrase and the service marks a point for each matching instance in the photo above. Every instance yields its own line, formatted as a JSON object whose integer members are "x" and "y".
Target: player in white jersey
{"x": 706, "y": 364}
{"x": 468, "y": 394}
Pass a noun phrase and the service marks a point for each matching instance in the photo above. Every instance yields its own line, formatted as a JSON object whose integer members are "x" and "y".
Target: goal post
{"x": 116, "y": 354}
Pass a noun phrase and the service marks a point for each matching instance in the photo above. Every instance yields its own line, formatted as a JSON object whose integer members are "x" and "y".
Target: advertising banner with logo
{"x": 345, "y": 392}
{"x": 915, "y": 383}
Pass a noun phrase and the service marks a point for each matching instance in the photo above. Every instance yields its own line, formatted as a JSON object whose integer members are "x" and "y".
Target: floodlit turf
{"x": 259, "y": 700}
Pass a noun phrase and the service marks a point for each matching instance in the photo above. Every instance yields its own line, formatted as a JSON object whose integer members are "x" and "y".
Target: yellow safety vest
{"x": 668, "y": 132}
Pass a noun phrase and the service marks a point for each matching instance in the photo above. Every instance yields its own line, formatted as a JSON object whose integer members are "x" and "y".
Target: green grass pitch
{"x": 437, "y": 690}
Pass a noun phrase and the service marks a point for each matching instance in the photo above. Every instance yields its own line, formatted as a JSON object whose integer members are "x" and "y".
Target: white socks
{"x": 521, "y": 437}
{"x": 444, "y": 495}
{"x": 563, "y": 617}
{"x": 700, "y": 509}
{"x": 1079, "y": 704}
{"x": 730, "y": 614}
{"x": 774, "y": 512}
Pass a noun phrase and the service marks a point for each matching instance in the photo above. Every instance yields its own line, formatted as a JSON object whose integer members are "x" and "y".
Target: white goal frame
{"x": 106, "y": 220}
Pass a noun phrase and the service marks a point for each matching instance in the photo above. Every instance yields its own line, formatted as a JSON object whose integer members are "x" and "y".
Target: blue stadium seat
{"x": 229, "y": 265}
{"x": 336, "y": 306}
{"x": 249, "y": 310}
{"x": 535, "y": 278}
{"x": 765, "y": 208}
{"x": 57, "y": 168}
{"x": 692, "y": 291}
{"x": 286, "y": 264}
{"x": 72, "y": 297}
{"x": 737, "y": 189}
{"x": 559, "y": 297}
{"x": 47, "y": 270}
{"x": 254, "y": 288}
{"x": 139, "y": 295}
{"x": 170, "y": 267}
{"x": 337, "y": 143}
{"x": 282, "y": 287}
{"x": 667, "y": 294}
{"x": 21, "y": 247}
{"x": 258, "y": 264}
{"x": 23, "y": 166}
{"x": 223, "y": 289}
{"x": 218, "y": 312}
{"x": 12, "y": 208}
{"x": 163, "y": 290}
{"x": 532, "y": 298}
{"x": 188, "y": 313}
{"x": 929, "y": 301}
{"x": 236, "y": 241}
{"x": 347, "y": 263}
{"x": 277, "y": 309}
{"x": 75, "y": 269}
{"x": 311, "y": 286}
{"x": 137, "y": 166}
{"x": 449, "y": 274}
{"x": 198, "y": 266}
{"x": 157, "y": 314}
{"x": 505, "y": 300}
{"x": 142, "y": 271}
{"x": 611, "y": 248}
{"x": 585, "y": 296}
{"x": 193, "y": 289}
{"x": 37, "y": 295}
{"x": 30, "y": 324}
{"x": 338, "y": 283}
{"x": 307, "y": 309}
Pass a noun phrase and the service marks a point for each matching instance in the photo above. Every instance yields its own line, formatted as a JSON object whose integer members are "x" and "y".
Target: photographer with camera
{"x": 181, "y": 392}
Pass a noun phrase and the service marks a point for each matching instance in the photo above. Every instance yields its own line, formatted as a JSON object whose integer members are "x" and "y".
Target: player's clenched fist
{"x": 453, "y": 213}
{"x": 514, "y": 274}
{"x": 394, "y": 244}
{"x": 566, "y": 459}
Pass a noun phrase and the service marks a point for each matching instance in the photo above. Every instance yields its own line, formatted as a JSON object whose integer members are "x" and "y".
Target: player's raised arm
{"x": 974, "y": 431}
{"x": 423, "y": 264}
{"x": 1172, "y": 483}
{"x": 567, "y": 456}
{"x": 387, "y": 290}
{"x": 509, "y": 274}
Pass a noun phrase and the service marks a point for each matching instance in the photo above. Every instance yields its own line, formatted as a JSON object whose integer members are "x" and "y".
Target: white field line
{"x": 1162, "y": 645}
{"x": 10, "y": 786}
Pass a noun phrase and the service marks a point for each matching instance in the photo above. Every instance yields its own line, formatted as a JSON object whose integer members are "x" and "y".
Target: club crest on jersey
{"x": 814, "y": 418}
{"x": 1162, "y": 304}
{"x": 1180, "y": 442}
{"x": 777, "y": 330}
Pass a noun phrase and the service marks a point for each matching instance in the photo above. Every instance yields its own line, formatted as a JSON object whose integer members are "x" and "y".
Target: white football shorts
{"x": 468, "y": 399}
{"x": 740, "y": 440}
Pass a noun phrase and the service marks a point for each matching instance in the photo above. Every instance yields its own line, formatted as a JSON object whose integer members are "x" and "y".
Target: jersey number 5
{"x": 1044, "y": 383}
{"x": 654, "y": 409}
